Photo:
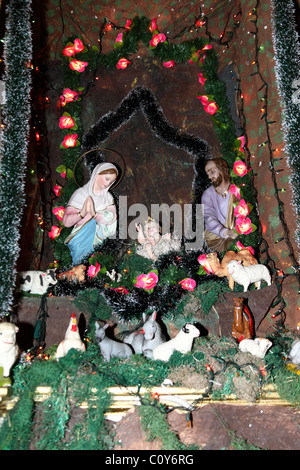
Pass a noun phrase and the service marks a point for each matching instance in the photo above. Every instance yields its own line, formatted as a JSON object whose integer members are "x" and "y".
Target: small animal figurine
{"x": 145, "y": 340}
{"x": 37, "y": 282}
{"x": 257, "y": 347}
{"x": 71, "y": 340}
{"x": 246, "y": 275}
{"x": 182, "y": 342}
{"x": 242, "y": 326}
{"x": 109, "y": 347}
{"x": 220, "y": 269}
{"x": 294, "y": 354}
{"x": 76, "y": 273}
{"x": 9, "y": 350}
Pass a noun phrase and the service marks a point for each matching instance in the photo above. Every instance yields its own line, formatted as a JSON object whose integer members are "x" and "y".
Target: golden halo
{"x": 118, "y": 181}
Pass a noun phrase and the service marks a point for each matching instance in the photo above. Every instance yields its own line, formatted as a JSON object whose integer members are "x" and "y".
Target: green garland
{"x": 14, "y": 142}
{"x": 287, "y": 57}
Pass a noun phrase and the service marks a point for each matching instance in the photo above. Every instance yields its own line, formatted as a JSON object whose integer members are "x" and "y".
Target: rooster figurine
{"x": 71, "y": 340}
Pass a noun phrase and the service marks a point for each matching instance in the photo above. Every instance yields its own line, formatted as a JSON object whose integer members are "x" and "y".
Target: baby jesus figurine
{"x": 152, "y": 243}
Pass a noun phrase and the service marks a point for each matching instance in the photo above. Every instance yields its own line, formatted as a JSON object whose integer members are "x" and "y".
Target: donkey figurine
{"x": 145, "y": 340}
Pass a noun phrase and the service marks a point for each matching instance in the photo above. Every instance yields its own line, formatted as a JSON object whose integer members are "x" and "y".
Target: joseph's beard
{"x": 217, "y": 182}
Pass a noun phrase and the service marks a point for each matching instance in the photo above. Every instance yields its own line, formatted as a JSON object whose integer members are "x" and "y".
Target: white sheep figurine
{"x": 246, "y": 275}
{"x": 257, "y": 347}
{"x": 109, "y": 347}
{"x": 182, "y": 342}
{"x": 294, "y": 354}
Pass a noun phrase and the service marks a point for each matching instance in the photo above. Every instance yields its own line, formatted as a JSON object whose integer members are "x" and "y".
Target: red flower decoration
{"x": 147, "y": 281}
{"x": 69, "y": 50}
{"x": 188, "y": 284}
{"x": 70, "y": 140}
{"x": 68, "y": 96}
{"x": 78, "y": 65}
{"x": 57, "y": 189}
{"x": 240, "y": 168}
{"x": 59, "y": 212}
{"x": 123, "y": 63}
{"x": 235, "y": 191}
{"x": 66, "y": 122}
{"x": 243, "y": 225}
{"x": 203, "y": 99}
{"x": 93, "y": 270}
{"x": 169, "y": 64}
{"x": 205, "y": 263}
{"x": 78, "y": 45}
{"x": 211, "y": 107}
{"x": 242, "y": 210}
{"x": 55, "y": 231}
{"x": 201, "y": 78}
{"x": 157, "y": 38}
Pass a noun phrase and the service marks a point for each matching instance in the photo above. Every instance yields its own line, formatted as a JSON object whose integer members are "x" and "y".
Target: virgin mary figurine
{"x": 91, "y": 212}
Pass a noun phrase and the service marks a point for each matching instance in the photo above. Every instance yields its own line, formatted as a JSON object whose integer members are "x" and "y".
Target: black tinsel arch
{"x": 141, "y": 98}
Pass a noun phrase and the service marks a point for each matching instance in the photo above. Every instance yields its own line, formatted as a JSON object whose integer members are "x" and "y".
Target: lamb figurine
{"x": 182, "y": 342}
{"x": 246, "y": 275}
{"x": 110, "y": 348}
{"x": 9, "y": 350}
{"x": 220, "y": 268}
{"x": 257, "y": 347}
{"x": 294, "y": 354}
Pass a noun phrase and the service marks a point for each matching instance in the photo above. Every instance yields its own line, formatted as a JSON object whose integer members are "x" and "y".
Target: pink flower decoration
{"x": 207, "y": 47}
{"x": 240, "y": 168}
{"x": 242, "y": 139}
{"x": 201, "y": 78}
{"x": 78, "y": 65}
{"x": 157, "y": 38}
{"x": 66, "y": 122}
{"x": 203, "y": 99}
{"x": 147, "y": 281}
{"x": 243, "y": 225}
{"x": 128, "y": 23}
{"x": 55, "y": 231}
{"x": 235, "y": 191}
{"x": 93, "y": 270}
{"x": 123, "y": 63}
{"x": 242, "y": 210}
{"x": 202, "y": 59}
{"x": 57, "y": 189}
{"x": 211, "y": 107}
{"x": 242, "y": 247}
{"x": 69, "y": 50}
{"x": 68, "y": 96}
{"x": 204, "y": 262}
{"x": 169, "y": 64}
{"x": 188, "y": 284}
{"x": 59, "y": 212}
{"x": 78, "y": 45}
{"x": 70, "y": 140}
{"x": 119, "y": 38}
{"x": 153, "y": 25}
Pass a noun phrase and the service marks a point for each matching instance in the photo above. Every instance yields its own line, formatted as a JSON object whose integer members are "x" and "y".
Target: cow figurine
{"x": 37, "y": 282}
{"x": 9, "y": 350}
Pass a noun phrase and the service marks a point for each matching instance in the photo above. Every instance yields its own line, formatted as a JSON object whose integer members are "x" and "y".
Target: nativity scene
{"x": 149, "y": 211}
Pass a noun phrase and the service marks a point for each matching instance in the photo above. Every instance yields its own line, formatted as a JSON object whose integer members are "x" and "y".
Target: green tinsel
{"x": 14, "y": 142}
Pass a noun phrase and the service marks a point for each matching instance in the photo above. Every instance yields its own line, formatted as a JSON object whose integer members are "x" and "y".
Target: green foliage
{"x": 14, "y": 142}
{"x": 155, "y": 424}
